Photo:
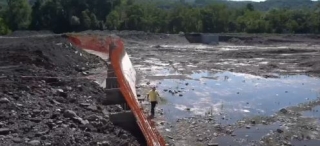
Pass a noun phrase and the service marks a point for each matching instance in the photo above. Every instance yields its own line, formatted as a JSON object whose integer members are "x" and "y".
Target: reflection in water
{"x": 234, "y": 95}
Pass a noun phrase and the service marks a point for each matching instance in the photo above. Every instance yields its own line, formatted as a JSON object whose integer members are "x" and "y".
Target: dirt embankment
{"x": 268, "y": 39}
{"x": 45, "y": 99}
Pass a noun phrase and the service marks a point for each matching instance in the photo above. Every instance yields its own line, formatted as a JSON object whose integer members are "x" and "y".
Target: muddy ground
{"x": 264, "y": 56}
{"x": 46, "y": 99}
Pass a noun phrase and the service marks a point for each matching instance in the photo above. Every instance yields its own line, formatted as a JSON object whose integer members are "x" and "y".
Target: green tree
{"x": 215, "y": 18}
{"x": 113, "y": 20}
{"x": 85, "y": 20}
{"x": 36, "y": 14}
{"x": 94, "y": 21}
{"x": 54, "y": 17}
{"x": 250, "y": 7}
{"x": 252, "y": 22}
{"x": 18, "y": 14}
{"x": 4, "y": 29}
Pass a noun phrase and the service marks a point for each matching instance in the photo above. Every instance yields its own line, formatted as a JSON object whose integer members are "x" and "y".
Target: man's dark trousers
{"x": 153, "y": 105}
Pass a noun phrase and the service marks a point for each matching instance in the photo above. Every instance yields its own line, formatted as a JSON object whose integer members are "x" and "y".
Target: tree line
{"x": 144, "y": 15}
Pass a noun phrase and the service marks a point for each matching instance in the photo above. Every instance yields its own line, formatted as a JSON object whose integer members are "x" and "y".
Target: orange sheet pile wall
{"x": 117, "y": 53}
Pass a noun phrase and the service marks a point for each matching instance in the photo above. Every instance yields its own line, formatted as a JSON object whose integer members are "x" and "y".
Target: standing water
{"x": 232, "y": 96}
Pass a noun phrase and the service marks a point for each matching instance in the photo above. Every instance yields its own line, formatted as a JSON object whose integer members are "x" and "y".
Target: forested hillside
{"x": 153, "y": 16}
{"x": 263, "y": 6}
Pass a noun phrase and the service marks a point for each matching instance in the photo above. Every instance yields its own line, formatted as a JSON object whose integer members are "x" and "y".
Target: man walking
{"x": 153, "y": 98}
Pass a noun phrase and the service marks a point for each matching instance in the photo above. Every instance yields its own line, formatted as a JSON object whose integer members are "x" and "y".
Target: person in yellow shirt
{"x": 153, "y": 96}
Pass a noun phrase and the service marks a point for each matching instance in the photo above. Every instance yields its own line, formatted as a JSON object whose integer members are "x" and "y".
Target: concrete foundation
{"x": 127, "y": 121}
{"x": 210, "y": 39}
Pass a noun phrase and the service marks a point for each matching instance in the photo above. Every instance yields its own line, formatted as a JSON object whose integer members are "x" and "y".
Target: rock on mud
{"x": 34, "y": 142}
{"x": 4, "y": 131}
{"x": 284, "y": 111}
{"x": 70, "y": 114}
{"x": 41, "y": 84}
{"x": 213, "y": 144}
{"x": 4, "y": 100}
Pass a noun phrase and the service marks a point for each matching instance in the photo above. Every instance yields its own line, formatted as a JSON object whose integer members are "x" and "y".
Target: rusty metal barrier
{"x": 112, "y": 48}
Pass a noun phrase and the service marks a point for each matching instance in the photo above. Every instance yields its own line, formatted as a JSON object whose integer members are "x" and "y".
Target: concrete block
{"x": 112, "y": 82}
{"x": 113, "y": 96}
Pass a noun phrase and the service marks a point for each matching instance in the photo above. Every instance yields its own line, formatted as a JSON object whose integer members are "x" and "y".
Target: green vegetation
{"x": 166, "y": 16}
{"x": 262, "y": 6}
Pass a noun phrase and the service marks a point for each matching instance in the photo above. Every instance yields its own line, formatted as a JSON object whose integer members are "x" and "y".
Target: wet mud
{"x": 250, "y": 93}
{"x": 251, "y": 90}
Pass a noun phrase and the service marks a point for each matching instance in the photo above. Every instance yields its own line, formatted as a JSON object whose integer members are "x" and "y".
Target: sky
{"x": 257, "y": 0}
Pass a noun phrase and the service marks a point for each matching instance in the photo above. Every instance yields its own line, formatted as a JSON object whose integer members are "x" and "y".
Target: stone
{"x": 94, "y": 118}
{"x": 104, "y": 143}
{"x": 92, "y": 107}
{"x": 279, "y": 130}
{"x": 170, "y": 137}
{"x": 215, "y": 134}
{"x": 17, "y": 140}
{"x": 62, "y": 94}
{"x": 229, "y": 131}
{"x": 284, "y": 111}
{"x": 217, "y": 126}
{"x": 36, "y": 120}
{"x": 4, "y": 100}
{"x": 200, "y": 139}
{"x": 4, "y": 131}
{"x": 69, "y": 88}
{"x": 264, "y": 122}
{"x": 60, "y": 90}
{"x": 34, "y": 142}
{"x": 85, "y": 104}
{"x": 70, "y": 114}
{"x": 80, "y": 120}
{"x": 286, "y": 143}
{"x": 36, "y": 111}
{"x": 213, "y": 144}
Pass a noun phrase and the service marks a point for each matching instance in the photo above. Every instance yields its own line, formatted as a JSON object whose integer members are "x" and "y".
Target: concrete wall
{"x": 211, "y": 39}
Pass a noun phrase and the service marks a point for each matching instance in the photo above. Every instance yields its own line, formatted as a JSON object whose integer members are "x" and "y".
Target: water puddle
{"x": 232, "y": 96}
{"x": 256, "y": 132}
{"x": 305, "y": 143}
{"x": 246, "y": 136}
{"x": 314, "y": 112}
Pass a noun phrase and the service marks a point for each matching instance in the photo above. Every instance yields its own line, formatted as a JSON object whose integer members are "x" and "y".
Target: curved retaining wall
{"x": 112, "y": 48}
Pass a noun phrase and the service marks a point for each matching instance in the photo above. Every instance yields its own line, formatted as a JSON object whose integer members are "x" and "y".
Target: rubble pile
{"x": 45, "y": 98}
